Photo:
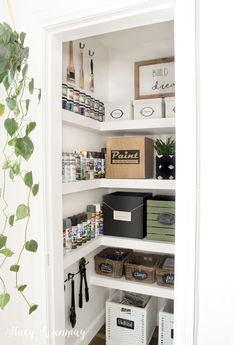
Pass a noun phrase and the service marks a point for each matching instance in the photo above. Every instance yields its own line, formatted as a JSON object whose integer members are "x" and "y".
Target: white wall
{"x": 216, "y": 133}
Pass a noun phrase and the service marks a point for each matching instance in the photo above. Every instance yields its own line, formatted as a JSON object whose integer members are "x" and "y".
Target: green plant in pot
{"x": 17, "y": 91}
{"x": 165, "y": 159}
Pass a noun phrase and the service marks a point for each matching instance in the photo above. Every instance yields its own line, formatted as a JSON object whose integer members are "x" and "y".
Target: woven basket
{"x": 141, "y": 267}
{"x": 108, "y": 267}
{"x": 165, "y": 271}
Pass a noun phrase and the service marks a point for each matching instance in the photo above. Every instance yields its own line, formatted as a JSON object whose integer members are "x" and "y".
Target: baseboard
{"x": 94, "y": 327}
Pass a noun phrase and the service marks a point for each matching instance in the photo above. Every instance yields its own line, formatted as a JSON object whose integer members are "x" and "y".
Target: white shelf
{"x": 151, "y": 184}
{"x": 153, "y": 126}
{"x": 126, "y": 285}
{"x": 85, "y": 249}
{"x": 121, "y": 242}
{"x": 138, "y": 244}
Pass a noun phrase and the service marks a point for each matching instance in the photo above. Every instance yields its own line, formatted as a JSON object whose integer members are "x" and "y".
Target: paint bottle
{"x": 64, "y": 236}
{"x": 99, "y": 165}
{"x": 74, "y": 231}
{"x": 66, "y": 164}
{"x": 103, "y": 162}
{"x": 91, "y": 157}
{"x": 68, "y": 235}
{"x": 88, "y": 234}
{"x": 91, "y": 211}
{"x": 97, "y": 219}
{"x": 64, "y": 90}
{"x": 72, "y": 166}
{"x": 79, "y": 233}
{"x": 101, "y": 221}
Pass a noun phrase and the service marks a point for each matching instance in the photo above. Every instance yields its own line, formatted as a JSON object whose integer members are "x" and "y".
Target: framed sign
{"x": 155, "y": 78}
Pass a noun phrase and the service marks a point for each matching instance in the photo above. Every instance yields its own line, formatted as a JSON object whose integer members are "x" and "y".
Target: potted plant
{"x": 165, "y": 159}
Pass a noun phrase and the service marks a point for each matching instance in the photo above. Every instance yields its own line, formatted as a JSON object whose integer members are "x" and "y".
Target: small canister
{"x": 70, "y": 93}
{"x": 76, "y": 96}
{"x": 69, "y": 105}
{"x": 87, "y": 111}
{"x": 82, "y": 109}
{"x": 96, "y": 115}
{"x": 64, "y": 102}
{"x": 101, "y": 107}
{"x": 82, "y": 98}
{"x": 92, "y": 114}
{"x": 76, "y": 107}
{"x": 96, "y": 105}
{"x": 92, "y": 102}
{"x": 64, "y": 90}
{"x": 88, "y": 100}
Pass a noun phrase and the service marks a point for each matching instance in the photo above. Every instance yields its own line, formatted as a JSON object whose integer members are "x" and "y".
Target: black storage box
{"x": 125, "y": 214}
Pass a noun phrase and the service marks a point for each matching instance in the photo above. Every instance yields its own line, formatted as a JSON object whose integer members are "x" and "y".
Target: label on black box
{"x": 122, "y": 215}
{"x": 125, "y": 156}
{"x": 125, "y": 323}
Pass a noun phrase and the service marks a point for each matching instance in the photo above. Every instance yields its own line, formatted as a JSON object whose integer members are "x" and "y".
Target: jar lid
{"x": 63, "y": 84}
{"x": 64, "y": 98}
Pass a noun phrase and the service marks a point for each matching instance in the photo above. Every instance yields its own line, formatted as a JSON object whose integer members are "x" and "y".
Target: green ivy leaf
{"x": 11, "y": 174}
{"x": 24, "y": 147}
{"x": 25, "y": 70}
{"x": 10, "y": 76}
{"x": 22, "y": 212}
{"x": 22, "y": 287}
{"x": 39, "y": 95}
{"x": 30, "y": 127}
{"x": 17, "y": 110}
{"x": 11, "y": 220}
{"x": 7, "y": 252}
{"x": 5, "y": 82}
{"x": 19, "y": 88}
{"x": 33, "y": 308}
{"x": 11, "y": 126}
{"x": 27, "y": 101}
{"x": 16, "y": 168}
{"x": 4, "y": 299}
{"x": 31, "y": 246}
{"x": 31, "y": 86}
{"x": 22, "y": 37}
{"x": 3, "y": 241}
{"x": 28, "y": 179}
{"x": 2, "y": 109}
{"x": 11, "y": 102}
{"x": 35, "y": 189}
{"x": 15, "y": 268}
{"x": 12, "y": 142}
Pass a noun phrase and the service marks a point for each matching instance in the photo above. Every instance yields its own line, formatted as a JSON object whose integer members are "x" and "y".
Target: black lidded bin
{"x": 132, "y": 222}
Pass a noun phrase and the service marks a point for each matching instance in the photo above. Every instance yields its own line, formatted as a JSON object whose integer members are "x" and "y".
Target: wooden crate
{"x": 165, "y": 271}
{"x": 161, "y": 218}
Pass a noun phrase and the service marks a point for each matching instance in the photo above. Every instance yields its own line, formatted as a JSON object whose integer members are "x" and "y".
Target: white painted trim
{"x": 94, "y": 327}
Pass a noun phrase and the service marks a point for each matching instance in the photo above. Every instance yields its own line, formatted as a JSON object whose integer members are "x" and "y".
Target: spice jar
{"x": 64, "y": 90}
{"x": 76, "y": 96}
{"x": 69, "y": 105}
{"x": 76, "y": 107}
{"x": 70, "y": 93}
{"x": 64, "y": 103}
{"x": 82, "y": 98}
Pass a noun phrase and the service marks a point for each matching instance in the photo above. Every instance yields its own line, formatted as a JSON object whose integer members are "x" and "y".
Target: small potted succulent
{"x": 165, "y": 159}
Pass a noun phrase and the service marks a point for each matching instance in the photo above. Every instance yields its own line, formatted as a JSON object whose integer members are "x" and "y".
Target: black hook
{"x": 81, "y": 45}
{"x": 91, "y": 53}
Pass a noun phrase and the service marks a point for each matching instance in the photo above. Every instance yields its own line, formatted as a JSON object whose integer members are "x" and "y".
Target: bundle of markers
{"x": 82, "y": 227}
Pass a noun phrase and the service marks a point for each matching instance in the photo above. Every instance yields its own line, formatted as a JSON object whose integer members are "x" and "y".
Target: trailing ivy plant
{"x": 18, "y": 149}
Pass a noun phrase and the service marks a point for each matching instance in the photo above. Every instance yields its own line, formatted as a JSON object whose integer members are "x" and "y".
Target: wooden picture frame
{"x": 155, "y": 78}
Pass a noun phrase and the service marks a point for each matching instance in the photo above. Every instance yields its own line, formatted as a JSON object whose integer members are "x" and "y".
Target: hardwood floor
{"x": 100, "y": 338}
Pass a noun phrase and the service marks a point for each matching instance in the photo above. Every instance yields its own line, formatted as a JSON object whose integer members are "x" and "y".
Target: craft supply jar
{"x": 92, "y": 115}
{"x": 69, "y": 105}
{"x": 64, "y": 103}
{"x": 70, "y": 93}
{"x": 87, "y": 100}
{"x": 64, "y": 90}
{"x": 96, "y": 105}
{"x": 87, "y": 111}
{"x": 96, "y": 115}
{"x": 92, "y": 102}
{"x": 82, "y": 109}
{"x": 82, "y": 98}
{"x": 76, "y": 107}
{"x": 76, "y": 96}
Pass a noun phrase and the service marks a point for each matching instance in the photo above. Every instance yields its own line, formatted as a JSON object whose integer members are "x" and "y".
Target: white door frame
{"x": 185, "y": 40}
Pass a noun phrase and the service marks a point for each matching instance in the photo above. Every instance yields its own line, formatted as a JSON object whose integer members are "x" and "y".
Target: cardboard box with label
{"x": 125, "y": 214}
{"x": 129, "y": 157}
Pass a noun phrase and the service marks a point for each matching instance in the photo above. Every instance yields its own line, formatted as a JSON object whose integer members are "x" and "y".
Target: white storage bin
{"x": 170, "y": 106}
{"x": 148, "y": 109}
{"x": 166, "y": 325}
{"x": 129, "y": 325}
{"x": 118, "y": 111}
